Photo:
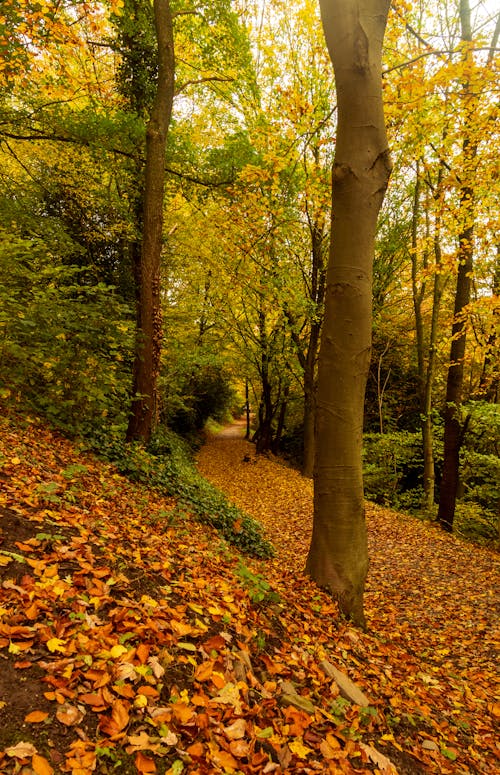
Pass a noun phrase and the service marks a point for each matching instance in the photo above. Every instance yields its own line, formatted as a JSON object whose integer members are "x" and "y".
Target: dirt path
{"x": 432, "y": 600}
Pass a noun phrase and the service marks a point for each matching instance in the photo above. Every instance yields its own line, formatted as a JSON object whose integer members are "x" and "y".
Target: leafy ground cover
{"x": 135, "y": 640}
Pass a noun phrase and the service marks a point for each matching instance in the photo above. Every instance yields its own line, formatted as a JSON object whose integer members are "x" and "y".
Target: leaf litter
{"x": 134, "y": 643}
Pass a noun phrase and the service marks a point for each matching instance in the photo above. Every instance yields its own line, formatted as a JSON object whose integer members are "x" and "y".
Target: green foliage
{"x": 59, "y": 351}
{"x": 393, "y": 471}
{"x": 259, "y": 590}
{"x": 167, "y": 467}
{"x": 195, "y": 388}
{"x": 136, "y": 42}
{"x": 393, "y": 466}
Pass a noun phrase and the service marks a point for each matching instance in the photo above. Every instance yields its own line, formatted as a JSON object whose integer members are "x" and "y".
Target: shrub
{"x": 66, "y": 342}
{"x": 167, "y": 467}
{"x": 392, "y": 465}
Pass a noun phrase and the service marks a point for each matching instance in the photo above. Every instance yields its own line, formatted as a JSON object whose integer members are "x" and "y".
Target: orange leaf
{"x": 120, "y": 716}
{"x": 142, "y": 653}
{"x": 148, "y": 691}
{"x": 204, "y": 671}
{"x": 41, "y": 765}
{"x": 144, "y": 763}
{"x": 36, "y": 716}
{"x": 224, "y": 759}
{"x": 182, "y": 712}
{"x": 181, "y": 628}
{"x": 196, "y": 749}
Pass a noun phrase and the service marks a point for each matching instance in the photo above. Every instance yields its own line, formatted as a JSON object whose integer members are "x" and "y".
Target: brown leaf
{"x": 22, "y": 750}
{"x": 379, "y": 759}
{"x": 69, "y": 715}
{"x": 236, "y": 730}
{"x": 120, "y": 714}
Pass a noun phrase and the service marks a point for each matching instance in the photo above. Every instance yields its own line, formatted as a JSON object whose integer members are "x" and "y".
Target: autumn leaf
{"x": 22, "y": 750}
{"x": 144, "y": 763}
{"x": 236, "y": 730}
{"x": 36, "y": 716}
{"x": 69, "y": 715}
{"x": 299, "y": 749}
{"x": 56, "y": 644}
{"x": 182, "y": 712}
{"x": 118, "y": 651}
{"x": 120, "y": 714}
{"x": 41, "y": 766}
{"x": 379, "y": 759}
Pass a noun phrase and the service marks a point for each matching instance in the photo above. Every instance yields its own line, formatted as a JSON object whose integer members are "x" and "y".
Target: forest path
{"x": 432, "y": 600}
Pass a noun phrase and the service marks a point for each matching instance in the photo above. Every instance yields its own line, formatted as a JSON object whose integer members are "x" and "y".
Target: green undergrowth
{"x": 167, "y": 466}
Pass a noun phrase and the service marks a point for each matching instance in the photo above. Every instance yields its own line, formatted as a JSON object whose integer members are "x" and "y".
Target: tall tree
{"x": 149, "y": 334}
{"x": 338, "y": 555}
{"x": 453, "y": 430}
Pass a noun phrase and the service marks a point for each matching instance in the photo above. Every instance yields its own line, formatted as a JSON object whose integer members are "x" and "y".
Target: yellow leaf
{"x": 56, "y": 644}
{"x": 299, "y": 749}
{"x": 118, "y": 651}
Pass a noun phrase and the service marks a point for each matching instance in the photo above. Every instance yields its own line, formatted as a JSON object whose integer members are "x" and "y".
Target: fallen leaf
{"x": 236, "y": 730}
{"x": 69, "y": 715}
{"x": 378, "y": 758}
{"x": 36, "y": 716}
{"x": 144, "y": 763}
{"x": 41, "y": 765}
{"x": 56, "y": 644}
{"x": 120, "y": 714}
{"x": 22, "y": 750}
{"x": 118, "y": 651}
{"x": 299, "y": 749}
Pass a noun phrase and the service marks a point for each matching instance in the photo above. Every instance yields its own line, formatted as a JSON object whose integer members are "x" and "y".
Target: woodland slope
{"x": 132, "y": 639}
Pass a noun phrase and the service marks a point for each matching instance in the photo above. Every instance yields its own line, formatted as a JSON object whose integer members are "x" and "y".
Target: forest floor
{"x": 134, "y": 640}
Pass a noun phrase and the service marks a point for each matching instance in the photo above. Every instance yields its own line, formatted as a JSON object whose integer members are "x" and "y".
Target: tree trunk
{"x": 338, "y": 556}
{"x": 263, "y": 436}
{"x": 309, "y": 418}
{"x": 454, "y": 384}
{"x": 149, "y": 334}
{"x": 318, "y": 281}
{"x": 426, "y": 370}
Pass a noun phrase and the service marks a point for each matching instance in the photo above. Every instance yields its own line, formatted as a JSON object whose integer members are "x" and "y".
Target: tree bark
{"x": 454, "y": 384}
{"x": 149, "y": 333}
{"x": 338, "y": 556}
{"x": 318, "y": 277}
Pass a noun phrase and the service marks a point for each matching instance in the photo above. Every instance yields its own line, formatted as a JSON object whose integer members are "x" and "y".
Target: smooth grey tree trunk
{"x": 338, "y": 556}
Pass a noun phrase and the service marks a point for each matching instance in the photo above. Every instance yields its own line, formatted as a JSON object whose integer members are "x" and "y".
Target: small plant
{"x": 339, "y": 707}
{"x": 367, "y": 714}
{"x": 259, "y": 590}
{"x": 48, "y": 492}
